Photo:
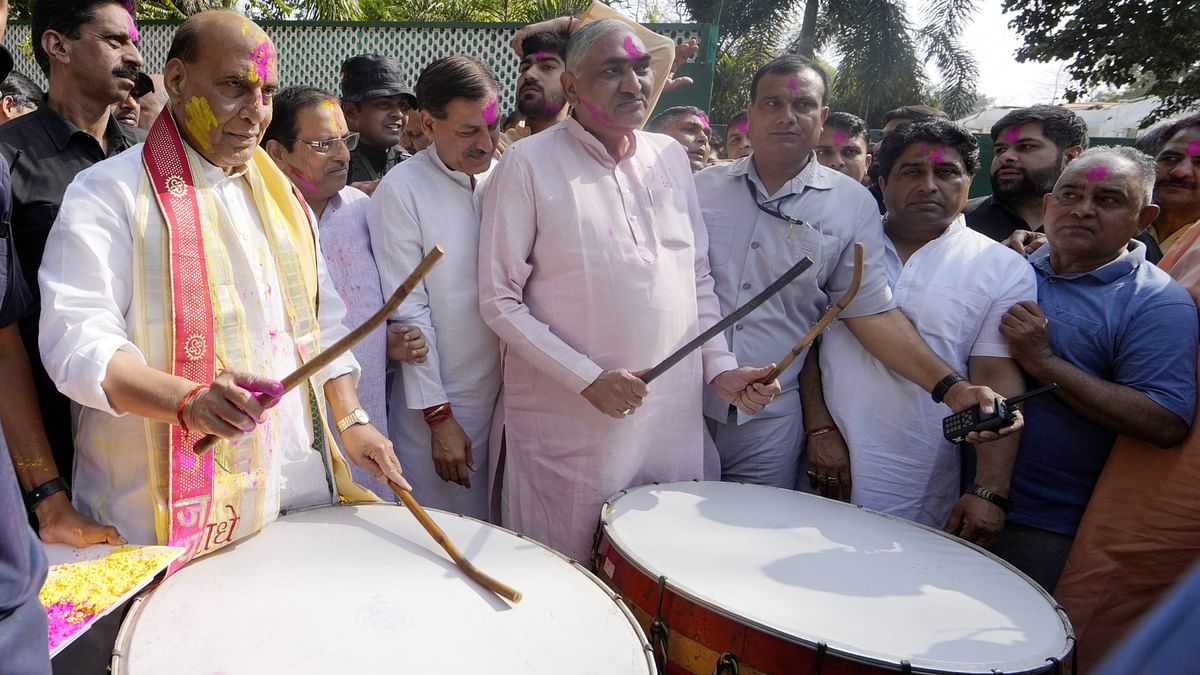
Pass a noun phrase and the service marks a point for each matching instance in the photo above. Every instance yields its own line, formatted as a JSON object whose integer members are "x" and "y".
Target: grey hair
{"x": 1141, "y": 161}
{"x": 585, "y": 38}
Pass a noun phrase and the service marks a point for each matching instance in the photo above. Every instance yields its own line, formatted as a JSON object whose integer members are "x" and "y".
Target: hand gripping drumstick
{"x": 728, "y": 321}
{"x": 826, "y": 319}
{"x": 342, "y": 346}
{"x": 497, "y": 587}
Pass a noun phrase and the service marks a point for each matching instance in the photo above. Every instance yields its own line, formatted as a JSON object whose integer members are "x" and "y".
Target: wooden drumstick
{"x": 826, "y": 319}
{"x": 497, "y": 587}
{"x": 312, "y": 367}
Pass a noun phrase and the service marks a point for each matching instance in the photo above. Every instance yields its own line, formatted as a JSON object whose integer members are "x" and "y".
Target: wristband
{"x": 187, "y": 398}
{"x": 41, "y": 492}
{"x": 437, "y": 414}
{"x": 985, "y": 494}
{"x": 821, "y": 431}
{"x": 943, "y": 386}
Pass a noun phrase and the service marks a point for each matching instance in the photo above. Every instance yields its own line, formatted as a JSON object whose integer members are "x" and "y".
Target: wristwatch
{"x": 356, "y": 416}
{"x": 983, "y": 493}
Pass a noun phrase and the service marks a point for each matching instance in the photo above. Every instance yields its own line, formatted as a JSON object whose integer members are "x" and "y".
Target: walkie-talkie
{"x": 956, "y": 427}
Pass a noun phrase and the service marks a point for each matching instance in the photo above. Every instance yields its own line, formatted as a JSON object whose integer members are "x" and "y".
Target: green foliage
{"x": 522, "y": 11}
{"x": 1117, "y": 43}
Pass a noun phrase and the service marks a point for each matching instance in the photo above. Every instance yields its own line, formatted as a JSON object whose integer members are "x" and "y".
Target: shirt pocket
{"x": 796, "y": 241}
{"x": 721, "y": 227}
{"x": 949, "y": 312}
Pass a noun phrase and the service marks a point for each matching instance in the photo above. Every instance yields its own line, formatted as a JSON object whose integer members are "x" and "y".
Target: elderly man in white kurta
{"x": 174, "y": 271}
{"x": 955, "y": 285}
{"x": 591, "y": 268}
{"x": 442, "y": 408}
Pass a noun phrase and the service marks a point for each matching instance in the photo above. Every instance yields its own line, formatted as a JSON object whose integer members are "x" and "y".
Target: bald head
{"x": 211, "y": 29}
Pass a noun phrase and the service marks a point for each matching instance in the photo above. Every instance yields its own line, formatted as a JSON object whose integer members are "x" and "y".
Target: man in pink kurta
{"x": 593, "y": 267}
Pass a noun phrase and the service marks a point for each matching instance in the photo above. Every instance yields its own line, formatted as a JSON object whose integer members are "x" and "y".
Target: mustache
{"x": 126, "y": 71}
{"x": 1177, "y": 182}
{"x": 533, "y": 85}
{"x": 630, "y": 98}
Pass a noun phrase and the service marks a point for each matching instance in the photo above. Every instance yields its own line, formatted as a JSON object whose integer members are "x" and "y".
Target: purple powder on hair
{"x": 491, "y": 113}
{"x": 1097, "y": 174}
{"x": 1013, "y": 133}
{"x": 632, "y": 49}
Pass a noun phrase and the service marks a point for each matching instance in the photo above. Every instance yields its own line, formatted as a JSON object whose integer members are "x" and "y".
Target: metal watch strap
{"x": 943, "y": 386}
{"x": 41, "y": 492}
{"x": 985, "y": 494}
{"x": 356, "y": 416}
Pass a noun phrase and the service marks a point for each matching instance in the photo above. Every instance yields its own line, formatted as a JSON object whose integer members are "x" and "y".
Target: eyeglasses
{"x": 324, "y": 147}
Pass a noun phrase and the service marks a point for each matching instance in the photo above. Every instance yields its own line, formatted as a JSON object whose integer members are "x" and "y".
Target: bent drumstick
{"x": 326, "y": 357}
{"x": 728, "y": 321}
{"x": 826, "y": 319}
{"x": 497, "y": 587}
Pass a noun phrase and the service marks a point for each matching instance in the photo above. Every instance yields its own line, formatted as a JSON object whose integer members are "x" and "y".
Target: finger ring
{"x": 834, "y": 480}
{"x": 627, "y": 411}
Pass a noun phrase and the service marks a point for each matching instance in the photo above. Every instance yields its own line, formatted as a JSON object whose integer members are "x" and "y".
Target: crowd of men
{"x": 175, "y": 243}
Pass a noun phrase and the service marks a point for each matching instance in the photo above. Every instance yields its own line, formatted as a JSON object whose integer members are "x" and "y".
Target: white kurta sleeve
{"x": 398, "y": 243}
{"x": 1014, "y": 281}
{"x": 331, "y": 315}
{"x": 506, "y": 240}
{"x": 86, "y": 286}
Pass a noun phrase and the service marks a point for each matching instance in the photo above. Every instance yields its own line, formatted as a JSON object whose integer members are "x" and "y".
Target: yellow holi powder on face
{"x": 334, "y": 116}
{"x": 200, "y": 121}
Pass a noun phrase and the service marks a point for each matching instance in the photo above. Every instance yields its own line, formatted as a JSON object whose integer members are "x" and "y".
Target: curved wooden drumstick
{"x": 312, "y": 367}
{"x": 826, "y": 319}
{"x": 459, "y": 559}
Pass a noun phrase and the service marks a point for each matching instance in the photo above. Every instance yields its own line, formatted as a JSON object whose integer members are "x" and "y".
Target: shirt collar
{"x": 60, "y": 130}
{"x": 593, "y": 146}
{"x": 1107, "y": 273}
{"x": 457, "y": 176}
{"x": 814, "y": 175}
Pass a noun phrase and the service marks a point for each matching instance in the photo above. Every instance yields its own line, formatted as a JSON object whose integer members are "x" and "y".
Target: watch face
{"x": 361, "y": 416}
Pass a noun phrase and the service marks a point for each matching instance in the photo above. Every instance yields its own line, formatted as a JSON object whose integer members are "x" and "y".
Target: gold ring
{"x": 627, "y": 411}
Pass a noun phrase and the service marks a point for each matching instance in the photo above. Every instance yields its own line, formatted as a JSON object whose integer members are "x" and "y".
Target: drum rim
{"x": 125, "y": 633}
{"x": 606, "y": 516}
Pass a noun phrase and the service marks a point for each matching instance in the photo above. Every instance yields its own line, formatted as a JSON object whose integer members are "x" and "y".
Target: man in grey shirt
{"x": 764, "y": 212}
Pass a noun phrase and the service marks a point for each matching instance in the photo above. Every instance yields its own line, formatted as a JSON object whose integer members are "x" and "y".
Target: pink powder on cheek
{"x": 1193, "y": 148}
{"x": 841, "y": 137}
{"x": 597, "y": 114}
{"x": 302, "y": 180}
{"x": 1012, "y": 134}
{"x": 491, "y": 113}
{"x": 1097, "y": 174}
{"x": 551, "y": 107}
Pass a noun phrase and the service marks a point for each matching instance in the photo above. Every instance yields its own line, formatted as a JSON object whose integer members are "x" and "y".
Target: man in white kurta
{"x": 429, "y": 200}
{"x": 955, "y": 285}
{"x": 592, "y": 265}
{"x": 104, "y": 328}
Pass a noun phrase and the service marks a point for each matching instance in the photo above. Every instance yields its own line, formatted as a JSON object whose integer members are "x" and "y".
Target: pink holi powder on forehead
{"x": 1193, "y": 148}
{"x": 491, "y": 112}
{"x": 840, "y": 137}
{"x": 1012, "y": 133}
{"x": 937, "y": 154}
{"x": 262, "y": 60}
{"x": 703, "y": 120}
{"x": 132, "y": 27}
{"x": 542, "y": 54}
{"x": 742, "y": 126}
{"x": 632, "y": 49}
{"x": 1097, "y": 174}
{"x": 793, "y": 82}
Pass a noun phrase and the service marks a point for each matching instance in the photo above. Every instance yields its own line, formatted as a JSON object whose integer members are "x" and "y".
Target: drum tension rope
{"x": 660, "y": 632}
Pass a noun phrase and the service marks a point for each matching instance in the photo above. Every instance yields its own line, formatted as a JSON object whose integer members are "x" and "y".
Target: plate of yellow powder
{"x": 83, "y": 585}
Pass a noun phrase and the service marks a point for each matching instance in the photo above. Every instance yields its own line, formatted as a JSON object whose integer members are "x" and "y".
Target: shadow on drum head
{"x": 419, "y": 551}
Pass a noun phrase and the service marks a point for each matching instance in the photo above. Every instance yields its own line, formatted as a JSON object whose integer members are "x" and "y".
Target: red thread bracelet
{"x": 183, "y": 404}
{"x": 821, "y": 431}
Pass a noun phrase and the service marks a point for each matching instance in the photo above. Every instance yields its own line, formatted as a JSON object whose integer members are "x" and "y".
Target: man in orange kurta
{"x": 1141, "y": 530}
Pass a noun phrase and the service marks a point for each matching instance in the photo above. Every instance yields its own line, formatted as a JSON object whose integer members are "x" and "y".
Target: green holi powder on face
{"x": 200, "y": 121}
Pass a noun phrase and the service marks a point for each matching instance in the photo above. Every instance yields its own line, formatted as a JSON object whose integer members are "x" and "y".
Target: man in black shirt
{"x": 376, "y": 102}
{"x": 87, "y": 49}
{"x": 1032, "y": 147}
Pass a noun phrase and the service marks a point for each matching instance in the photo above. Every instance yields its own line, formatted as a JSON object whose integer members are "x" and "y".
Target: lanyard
{"x": 770, "y": 210}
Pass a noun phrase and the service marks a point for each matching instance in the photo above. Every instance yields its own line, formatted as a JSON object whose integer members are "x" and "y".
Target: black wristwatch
{"x": 41, "y": 492}
{"x": 943, "y": 386}
{"x": 1004, "y": 503}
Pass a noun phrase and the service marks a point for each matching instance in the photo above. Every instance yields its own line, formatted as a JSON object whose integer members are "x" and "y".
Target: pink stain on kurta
{"x": 1012, "y": 133}
{"x": 491, "y": 112}
{"x": 632, "y": 49}
{"x": 1097, "y": 173}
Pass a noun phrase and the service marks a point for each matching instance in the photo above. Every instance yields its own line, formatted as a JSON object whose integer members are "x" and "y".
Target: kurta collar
{"x": 1108, "y": 273}
{"x": 458, "y": 177}
{"x": 814, "y": 175}
{"x": 594, "y": 147}
{"x": 956, "y": 227}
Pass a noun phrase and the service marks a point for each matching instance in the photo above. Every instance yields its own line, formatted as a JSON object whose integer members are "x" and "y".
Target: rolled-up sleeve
{"x": 86, "y": 286}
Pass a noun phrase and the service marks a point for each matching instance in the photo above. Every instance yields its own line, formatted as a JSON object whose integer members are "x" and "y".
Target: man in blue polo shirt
{"x": 1114, "y": 332}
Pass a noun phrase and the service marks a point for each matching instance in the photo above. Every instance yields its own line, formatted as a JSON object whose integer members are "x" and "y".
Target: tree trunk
{"x": 806, "y": 45}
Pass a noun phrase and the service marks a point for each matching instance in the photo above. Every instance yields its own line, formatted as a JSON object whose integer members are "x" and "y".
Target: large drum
{"x": 363, "y": 589}
{"x": 744, "y": 579}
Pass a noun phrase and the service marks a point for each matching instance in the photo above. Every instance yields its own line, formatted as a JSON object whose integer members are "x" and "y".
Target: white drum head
{"x": 873, "y": 587}
{"x": 363, "y": 589}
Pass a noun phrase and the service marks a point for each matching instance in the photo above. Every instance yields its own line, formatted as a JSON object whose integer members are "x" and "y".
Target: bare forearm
{"x": 1113, "y": 406}
{"x": 133, "y": 387}
{"x": 21, "y": 416}
{"x": 342, "y": 395}
{"x": 891, "y": 338}
{"x": 995, "y": 460}
{"x": 812, "y": 394}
